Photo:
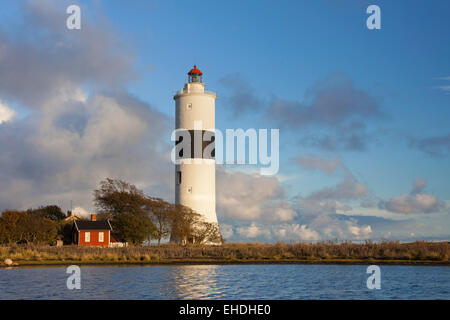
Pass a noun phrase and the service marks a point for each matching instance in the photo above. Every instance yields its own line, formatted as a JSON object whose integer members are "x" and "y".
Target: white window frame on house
{"x": 101, "y": 237}
{"x": 87, "y": 237}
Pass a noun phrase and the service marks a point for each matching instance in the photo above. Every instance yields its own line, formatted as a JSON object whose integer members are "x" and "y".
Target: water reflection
{"x": 195, "y": 282}
{"x": 226, "y": 282}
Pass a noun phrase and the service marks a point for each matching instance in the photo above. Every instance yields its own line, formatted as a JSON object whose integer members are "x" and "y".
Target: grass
{"x": 420, "y": 252}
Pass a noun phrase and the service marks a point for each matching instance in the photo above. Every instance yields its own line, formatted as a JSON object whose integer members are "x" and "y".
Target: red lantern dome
{"x": 195, "y": 71}
{"x": 195, "y": 75}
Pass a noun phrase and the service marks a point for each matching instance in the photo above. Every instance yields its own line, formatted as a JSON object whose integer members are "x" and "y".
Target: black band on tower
{"x": 187, "y": 140}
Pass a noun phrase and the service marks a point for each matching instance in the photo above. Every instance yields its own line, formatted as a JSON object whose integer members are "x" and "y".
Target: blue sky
{"x": 284, "y": 48}
{"x": 291, "y": 52}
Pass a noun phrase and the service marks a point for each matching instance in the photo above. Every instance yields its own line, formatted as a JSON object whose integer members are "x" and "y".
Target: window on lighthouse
{"x": 178, "y": 177}
{"x": 195, "y": 77}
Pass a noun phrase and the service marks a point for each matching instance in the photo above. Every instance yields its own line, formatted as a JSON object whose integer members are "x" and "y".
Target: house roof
{"x": 92, "y": 225}
{"x": 71, "y": 218}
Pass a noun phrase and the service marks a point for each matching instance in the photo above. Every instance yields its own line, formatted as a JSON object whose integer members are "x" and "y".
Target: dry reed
{"x": 233, "y": 252}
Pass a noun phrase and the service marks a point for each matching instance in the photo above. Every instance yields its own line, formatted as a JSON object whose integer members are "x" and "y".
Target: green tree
{"x": 161, "y": 213}
{"x": 9, "y": 232}
{"x": 136, "y": 217}
{"x": 21, "y": 226}
{"x": 133, "y": 228}
{"x": 65, "y": 232}
{"x": 183, "y": 223}
{"x": 52, "y": 212}
{"x": 117, "y": 196}
{"x": 128, "y": 208}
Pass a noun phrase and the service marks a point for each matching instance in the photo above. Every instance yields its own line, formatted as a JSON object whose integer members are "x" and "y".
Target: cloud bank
{"x": 416, "y": 201}
{"x": 81, "y": 124}
{"x": 334, "y": 107}
{"x": 6, "y": 113}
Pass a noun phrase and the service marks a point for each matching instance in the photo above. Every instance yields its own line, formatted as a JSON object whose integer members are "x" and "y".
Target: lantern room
{"x": 195, "y": 75}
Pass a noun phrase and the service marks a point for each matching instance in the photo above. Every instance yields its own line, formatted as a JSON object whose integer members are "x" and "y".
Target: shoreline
{"x": 346, "y": 253}
{"x": 174, "y": 262}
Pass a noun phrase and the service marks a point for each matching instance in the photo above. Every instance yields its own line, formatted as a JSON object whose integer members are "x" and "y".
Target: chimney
{"x": 69, "y": 214}
{"x": 93, "y": 217}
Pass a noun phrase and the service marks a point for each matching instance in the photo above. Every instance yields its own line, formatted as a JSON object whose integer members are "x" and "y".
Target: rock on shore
{"x": 8, "y": 262}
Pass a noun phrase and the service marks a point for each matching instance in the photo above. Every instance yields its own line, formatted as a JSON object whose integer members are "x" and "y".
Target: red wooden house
{"x": 92, "y": 233}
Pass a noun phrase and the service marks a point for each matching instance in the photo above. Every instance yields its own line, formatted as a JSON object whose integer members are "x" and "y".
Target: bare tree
{"x": 207, "y": 232}
{"x": 190, "y": 227}
{"x": 182, "y": 224}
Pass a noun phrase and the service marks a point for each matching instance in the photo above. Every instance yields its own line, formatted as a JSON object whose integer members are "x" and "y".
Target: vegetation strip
{"x": 229, "y": 262}
{"x": 416, "y": 253}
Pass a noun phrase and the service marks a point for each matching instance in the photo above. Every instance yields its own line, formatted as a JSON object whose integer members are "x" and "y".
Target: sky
{"x": 363, "y": 114}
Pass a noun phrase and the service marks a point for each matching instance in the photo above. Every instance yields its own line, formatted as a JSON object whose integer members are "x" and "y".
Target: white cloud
{"x": 251, "y": 197}
{"x": 418, "y": 185}
{"x": 370, "y": 212}
{"x": 330, "y": 199}
{"x": 317, "y": 207}
{"x": 337, "y": 107}
{"x": 71, "y": 139}
{"x": 6, "y": 113}
{"x": 312, "y": 162}
{"x": 349, "y": 188}
{"x": 445, "y": 88}
{"x": 415, "y": 202}
{"x": 418, "y": 203}
{"x": 297, "y": 232}
{"x": 65, "y": 152}
{"x": 226, "y": 230}
{"x": 359, "y": 233}
{"x": 284, "y": 212}
{"x": 253, "y": 231}
{"x": 80, "y": 212}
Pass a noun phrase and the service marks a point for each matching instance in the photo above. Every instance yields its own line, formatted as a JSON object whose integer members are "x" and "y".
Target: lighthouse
{"x": 195, "y": 174}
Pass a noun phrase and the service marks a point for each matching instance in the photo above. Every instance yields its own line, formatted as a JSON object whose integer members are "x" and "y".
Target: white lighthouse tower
{"x": 195, "y": 179}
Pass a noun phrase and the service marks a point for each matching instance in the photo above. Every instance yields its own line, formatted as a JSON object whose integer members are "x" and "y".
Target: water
{"x": 227, "y": 282}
